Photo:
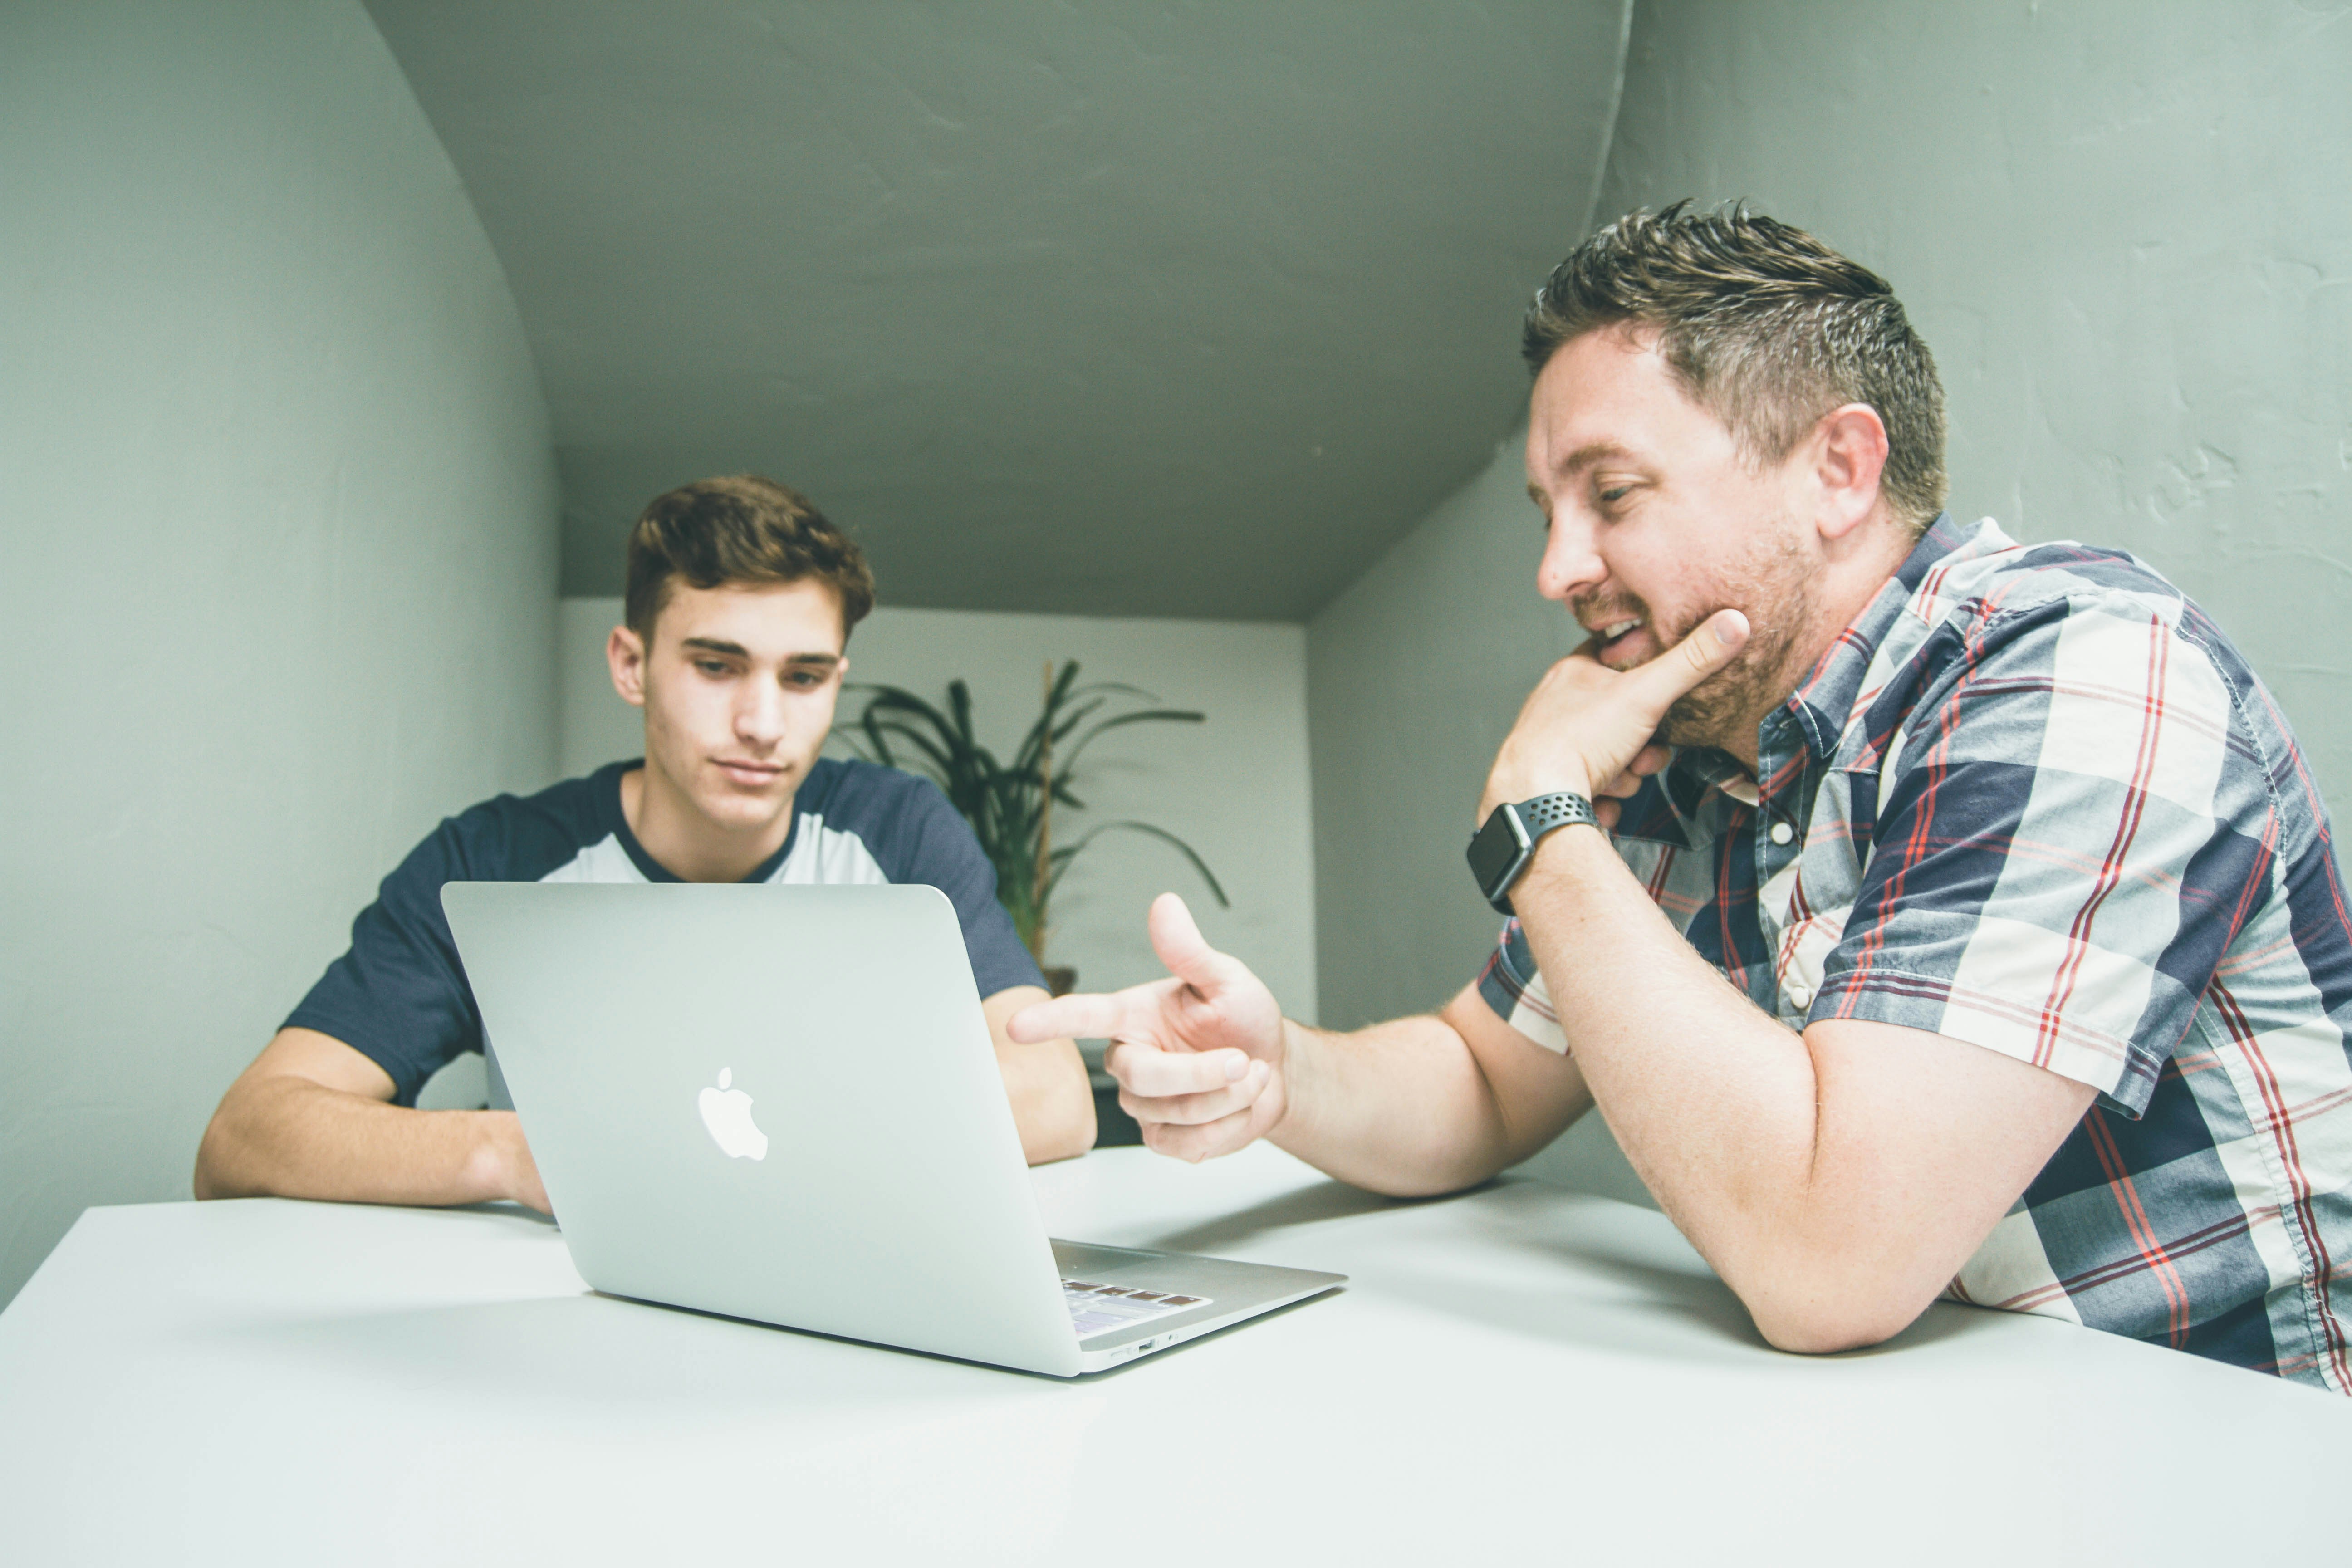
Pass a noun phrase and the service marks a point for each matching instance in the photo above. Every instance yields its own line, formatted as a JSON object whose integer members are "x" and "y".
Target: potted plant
{"x": 1011, "y": 805}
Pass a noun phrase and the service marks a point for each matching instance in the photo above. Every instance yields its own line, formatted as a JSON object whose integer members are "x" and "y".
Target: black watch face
{"x": 1493, "y": 849}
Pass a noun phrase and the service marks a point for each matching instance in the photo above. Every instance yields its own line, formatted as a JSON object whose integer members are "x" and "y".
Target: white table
{"x": 1518, "y": 1370}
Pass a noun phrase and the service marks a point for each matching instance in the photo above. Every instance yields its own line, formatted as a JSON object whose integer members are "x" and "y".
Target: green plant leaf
{"x": 960, "y": 704}
{"x": 930, "y": 748}
{"x": 1006, "y": 805}
{"x": 1120, "y": 687}
{"x": 1148, "y": 716}
{"x": 1062, "y": 857}
{"x": 1078, "y": 716}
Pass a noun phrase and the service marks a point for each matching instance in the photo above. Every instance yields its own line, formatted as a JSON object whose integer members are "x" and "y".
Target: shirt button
{"x": 1800, "y": 997}
{"x": 1783, "y": 833}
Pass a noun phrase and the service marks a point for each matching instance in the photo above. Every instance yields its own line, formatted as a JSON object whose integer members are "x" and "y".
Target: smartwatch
{"x": 1500, "y": 850}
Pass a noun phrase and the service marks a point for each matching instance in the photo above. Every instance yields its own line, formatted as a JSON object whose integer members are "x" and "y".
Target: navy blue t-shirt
{"x": 399, "y": 996}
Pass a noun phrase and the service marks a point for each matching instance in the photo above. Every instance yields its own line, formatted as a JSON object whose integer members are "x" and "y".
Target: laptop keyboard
{"x": 1097, "y": 1308}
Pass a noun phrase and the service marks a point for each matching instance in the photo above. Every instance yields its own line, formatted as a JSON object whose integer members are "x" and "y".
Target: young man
{"x": 740, "y": 601}
{"x": 1969, "y": 924}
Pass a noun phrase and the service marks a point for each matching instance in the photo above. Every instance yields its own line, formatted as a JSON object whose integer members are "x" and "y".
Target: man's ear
{"x": 625, "y": 652}
{"x": 1849, "y": 454}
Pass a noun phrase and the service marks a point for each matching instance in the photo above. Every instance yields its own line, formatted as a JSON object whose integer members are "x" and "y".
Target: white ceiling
{"x": 1134, "y": 307}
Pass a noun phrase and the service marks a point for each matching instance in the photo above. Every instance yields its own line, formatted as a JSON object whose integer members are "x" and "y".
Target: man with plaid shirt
{"x": 2039, "y": 961}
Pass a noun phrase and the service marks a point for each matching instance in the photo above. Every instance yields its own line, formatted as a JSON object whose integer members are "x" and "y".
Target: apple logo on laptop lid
{"x": 727, "y": 1113}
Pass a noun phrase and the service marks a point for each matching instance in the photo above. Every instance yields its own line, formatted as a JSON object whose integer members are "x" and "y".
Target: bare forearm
{"x": 1400, "y": 1107}
{"x": 1836, "y": 1180}
{"x": 1053, "y": 1103}
{"x": 289, "y": 1137}
{"x": 1714, "y": 1104}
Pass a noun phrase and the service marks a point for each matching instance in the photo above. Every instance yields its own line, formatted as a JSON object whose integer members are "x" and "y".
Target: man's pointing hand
{"x": 1198, "y": 1056}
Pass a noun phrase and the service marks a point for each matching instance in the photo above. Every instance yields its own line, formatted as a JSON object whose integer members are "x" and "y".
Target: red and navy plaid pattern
{"x": 2034, "y": 800}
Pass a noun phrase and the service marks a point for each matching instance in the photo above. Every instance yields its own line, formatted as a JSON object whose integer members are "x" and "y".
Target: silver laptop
{"x": 782, "y": 1104}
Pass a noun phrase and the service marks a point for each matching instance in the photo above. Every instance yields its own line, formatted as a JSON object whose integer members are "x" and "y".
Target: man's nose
{"x": 1571, "y": 562}
{"x": 760, "y": 713}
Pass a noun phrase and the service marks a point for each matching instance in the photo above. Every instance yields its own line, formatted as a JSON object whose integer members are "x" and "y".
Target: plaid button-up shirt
{"x": 2032, "y": 799}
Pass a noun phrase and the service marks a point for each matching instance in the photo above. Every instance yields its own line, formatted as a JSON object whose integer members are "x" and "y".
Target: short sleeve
{"x": 2067, "y": 838}
{"x": 399, "y": 995}
{"x": 930, "y": 844}
{"x": 1510, "y": 986}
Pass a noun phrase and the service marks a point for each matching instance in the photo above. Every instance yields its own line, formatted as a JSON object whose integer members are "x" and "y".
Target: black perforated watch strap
{"x": 1546, "y": 812}
{"x": 1500, "y": 850}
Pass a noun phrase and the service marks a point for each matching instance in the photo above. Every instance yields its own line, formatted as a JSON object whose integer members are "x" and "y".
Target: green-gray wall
{"x": 280, "y": 528}
{"x": 2120, "y": 226}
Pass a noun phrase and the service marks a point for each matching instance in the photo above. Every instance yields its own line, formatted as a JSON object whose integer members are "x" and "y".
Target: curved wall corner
{"x": 282, "y": 523}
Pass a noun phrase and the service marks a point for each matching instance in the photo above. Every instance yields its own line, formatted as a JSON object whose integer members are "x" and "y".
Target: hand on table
{"x": 1198, "y": 1056}
{"x": 518, "y": 1172}
{"x": 1594, "y": 730}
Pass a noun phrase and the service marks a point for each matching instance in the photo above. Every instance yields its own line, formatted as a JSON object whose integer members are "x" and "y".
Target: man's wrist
{"x": 1300, "y": 1045}
{"x": 1564, "y": 857}
{"x": 1504, "y": 847}
{"x": 490, "y": 1165}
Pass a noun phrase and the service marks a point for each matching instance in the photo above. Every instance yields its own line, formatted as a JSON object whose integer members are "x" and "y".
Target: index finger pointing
{"x": 1080, "y": 1018}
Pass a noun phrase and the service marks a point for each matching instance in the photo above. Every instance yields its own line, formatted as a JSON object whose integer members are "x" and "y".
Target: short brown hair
{"x": 1765, "y": 327}
{"x": 741, "y": 529}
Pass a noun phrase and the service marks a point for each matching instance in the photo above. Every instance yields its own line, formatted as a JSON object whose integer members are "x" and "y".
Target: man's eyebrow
{"x": 1586, "y": 456}
{"x": 737, "y": 650}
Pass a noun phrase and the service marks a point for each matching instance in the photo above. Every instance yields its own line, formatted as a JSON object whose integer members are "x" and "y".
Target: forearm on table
{"x": 1053, "y": 1103}
{"x": 1400, "y": 1108}
{"x": 1714, "y": 1103}
{"x": 290, "y": 1137}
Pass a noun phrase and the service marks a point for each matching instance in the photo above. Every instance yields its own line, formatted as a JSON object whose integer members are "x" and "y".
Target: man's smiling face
{"x": 1654, "y": 520}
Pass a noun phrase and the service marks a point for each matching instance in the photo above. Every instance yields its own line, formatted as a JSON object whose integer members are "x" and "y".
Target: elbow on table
{"x": 1426, "y": 1175}
{"x": 1824, "y": 1325}
{"x": 201, "y": 1184}
{"x": 215, "y": 1160}
{"x": 1079, "y": 1137}
{"x": 1063, "y": 1128}
{"x": 1414, "y": 1184}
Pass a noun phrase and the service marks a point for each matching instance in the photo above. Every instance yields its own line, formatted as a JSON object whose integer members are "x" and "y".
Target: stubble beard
{"x": 1724, "y": 710}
